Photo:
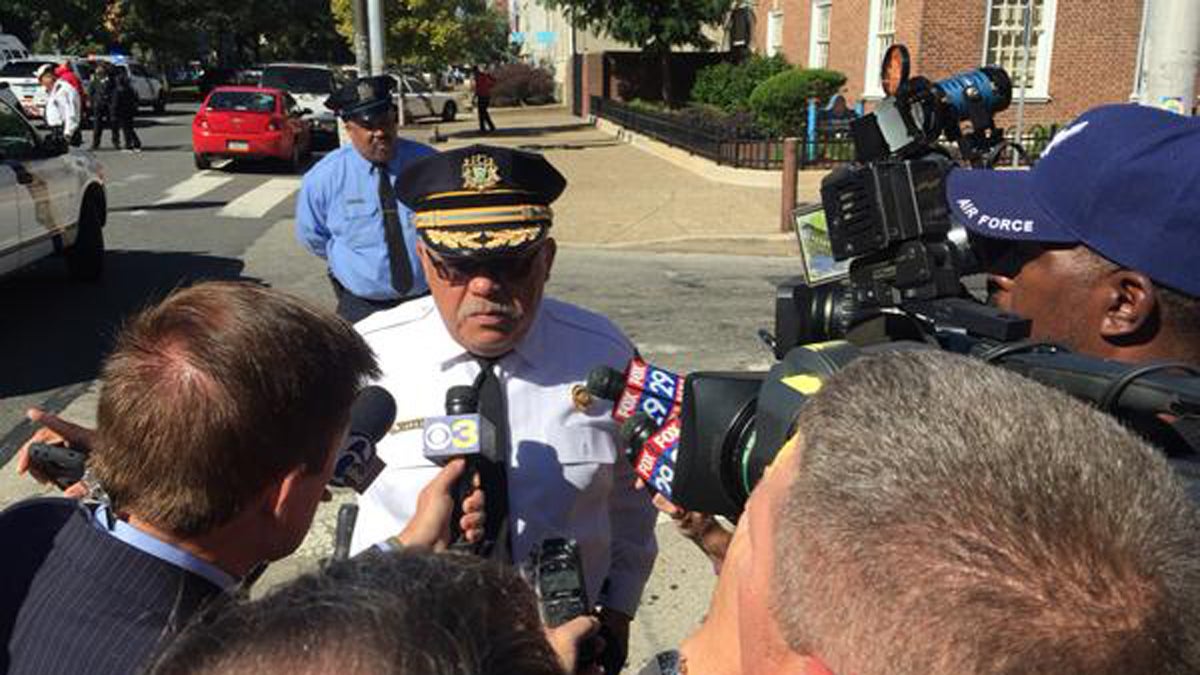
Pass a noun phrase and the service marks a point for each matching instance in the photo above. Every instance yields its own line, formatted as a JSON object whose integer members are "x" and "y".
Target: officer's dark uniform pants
{"x": 122, "y": 120}
{"x": 354, "y": 309}
{"x": 485, "y": 119}
{"x": 101, "y": 119}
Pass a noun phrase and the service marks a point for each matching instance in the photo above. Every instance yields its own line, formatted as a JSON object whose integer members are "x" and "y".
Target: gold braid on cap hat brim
{"x": 483, "y": 240}
{"x": 482, "y": 215}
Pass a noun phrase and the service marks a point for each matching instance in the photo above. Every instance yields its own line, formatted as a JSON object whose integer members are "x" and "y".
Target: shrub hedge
{"x": 728, "y": 86}
{"x": 780, "y": 103}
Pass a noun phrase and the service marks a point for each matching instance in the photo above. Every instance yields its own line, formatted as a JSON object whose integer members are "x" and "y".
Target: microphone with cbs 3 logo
{"x": 461, "y": 432}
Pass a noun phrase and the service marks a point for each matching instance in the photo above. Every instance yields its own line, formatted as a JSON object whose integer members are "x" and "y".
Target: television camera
{"x": 883, "y": 268}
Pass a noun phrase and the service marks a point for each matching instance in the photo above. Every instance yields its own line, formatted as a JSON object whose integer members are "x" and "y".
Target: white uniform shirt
{"x": 62, "y": 108}
{"x": 567, "y": 475}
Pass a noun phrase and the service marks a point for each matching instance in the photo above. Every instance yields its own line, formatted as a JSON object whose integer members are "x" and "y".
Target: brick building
{"x": 1084, "y": 52}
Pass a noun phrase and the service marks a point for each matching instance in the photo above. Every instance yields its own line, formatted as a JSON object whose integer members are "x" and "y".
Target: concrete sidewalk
{"x": 623, "y": 196}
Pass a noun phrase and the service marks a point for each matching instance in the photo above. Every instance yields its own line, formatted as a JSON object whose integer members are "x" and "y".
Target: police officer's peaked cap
{"x": 481, "y": 200}
{"x": 363, "y": 100}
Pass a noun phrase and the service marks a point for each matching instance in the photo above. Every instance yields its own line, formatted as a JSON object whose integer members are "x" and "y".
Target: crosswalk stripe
{"x": 193, "y": 187}
{"x": 257, "y": 202}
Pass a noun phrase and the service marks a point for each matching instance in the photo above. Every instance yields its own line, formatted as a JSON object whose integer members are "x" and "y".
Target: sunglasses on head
{"x": 459, "y": 271}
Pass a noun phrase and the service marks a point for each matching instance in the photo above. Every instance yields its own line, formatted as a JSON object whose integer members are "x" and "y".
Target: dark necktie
{"x": 493, "y": 476}
{"x": 401, "y": 269}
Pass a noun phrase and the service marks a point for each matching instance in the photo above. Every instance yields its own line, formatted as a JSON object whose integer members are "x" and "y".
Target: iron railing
{"x": 831, "y": 147}
{"x": 832, "y": 144}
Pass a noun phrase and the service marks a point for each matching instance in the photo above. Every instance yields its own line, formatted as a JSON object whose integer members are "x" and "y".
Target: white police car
{"x": 52, "y": 200}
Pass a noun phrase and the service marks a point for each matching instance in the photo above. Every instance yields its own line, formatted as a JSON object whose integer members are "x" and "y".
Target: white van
{"x": 11, "y": 48}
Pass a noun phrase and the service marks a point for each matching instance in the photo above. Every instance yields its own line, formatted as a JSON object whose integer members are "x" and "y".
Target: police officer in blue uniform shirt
{"x": 348, "y": 212}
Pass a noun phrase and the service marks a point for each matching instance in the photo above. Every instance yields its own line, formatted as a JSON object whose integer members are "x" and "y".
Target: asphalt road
{"x": 170, "y": 225}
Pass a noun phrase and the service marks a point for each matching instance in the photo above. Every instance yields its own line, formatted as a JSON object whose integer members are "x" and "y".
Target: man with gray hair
{"x": 939, "y": 515}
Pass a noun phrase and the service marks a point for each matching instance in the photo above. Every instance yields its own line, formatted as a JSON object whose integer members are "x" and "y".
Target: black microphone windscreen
{"x": 462, "y": 400}
{"x": 373, "y": 413}
{"x": 606, "y": 383}
{"x": 637, "y": 430}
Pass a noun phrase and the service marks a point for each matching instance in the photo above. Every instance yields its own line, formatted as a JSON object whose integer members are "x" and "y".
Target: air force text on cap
{"x": 969, "y": 210}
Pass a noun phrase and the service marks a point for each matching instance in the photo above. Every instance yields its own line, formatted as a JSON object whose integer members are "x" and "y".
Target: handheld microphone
{"x": 462, "y": 431}
{"x": 371, "y": 416}
{"x": 653, "y": 450}
{"x": 346, "y": 518}
{"x": 642, "y": 388}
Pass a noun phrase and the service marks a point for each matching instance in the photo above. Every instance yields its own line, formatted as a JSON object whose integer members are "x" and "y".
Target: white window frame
{"x": 814, "y": 41}
{"x": 1040, "y": 91}
{"x": 774, "y": 32}
{"x": 872, "y": 87}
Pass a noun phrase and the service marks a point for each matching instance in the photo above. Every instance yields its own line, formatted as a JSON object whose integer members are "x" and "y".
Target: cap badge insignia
{"x": 480, "y": 173}
{"x": 365, "y": 91}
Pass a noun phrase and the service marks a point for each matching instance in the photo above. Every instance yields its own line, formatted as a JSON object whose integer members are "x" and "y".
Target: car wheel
{"x": 449, "y": 111}
{"x": 202, "y": 161}
{"x": 85, "y": 259}
{"x": 160, "y": 105}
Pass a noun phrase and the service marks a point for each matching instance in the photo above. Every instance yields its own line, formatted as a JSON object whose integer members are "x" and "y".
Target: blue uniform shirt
{"x": 338, "y": 217}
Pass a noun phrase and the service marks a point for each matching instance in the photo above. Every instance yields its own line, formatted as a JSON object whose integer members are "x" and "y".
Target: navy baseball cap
{"x": 1123, "y": 180}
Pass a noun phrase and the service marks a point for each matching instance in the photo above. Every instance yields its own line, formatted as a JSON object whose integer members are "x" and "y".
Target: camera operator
{"x": 939, "y": 515}
{"x": 221, "y": 412}
{"x": 1097, "y": 244}
{"x": 410, "y": 613}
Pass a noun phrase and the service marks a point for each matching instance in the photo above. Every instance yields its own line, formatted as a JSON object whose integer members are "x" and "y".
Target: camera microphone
{"x": 641, "y": 388}
{"x": 371, "y": 416}
{"x": 653, "y": 450}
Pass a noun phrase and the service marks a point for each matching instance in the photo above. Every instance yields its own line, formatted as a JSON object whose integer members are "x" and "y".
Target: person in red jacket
{"x": 483, "y": 97}
{"x": 66, "y": 74}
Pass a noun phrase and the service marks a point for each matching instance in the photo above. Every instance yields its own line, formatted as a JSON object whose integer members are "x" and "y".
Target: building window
{"x": 1005, "y": 45}
{"x": 818, "y": 48}
{"x": 774, "y": 32}
{"x": 881, "y": 34}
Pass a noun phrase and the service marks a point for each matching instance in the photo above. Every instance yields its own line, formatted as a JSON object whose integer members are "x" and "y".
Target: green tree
{"x": 59, "y": 26}
{"x": 435, "y": 33}
{"x": 656, "y": 26}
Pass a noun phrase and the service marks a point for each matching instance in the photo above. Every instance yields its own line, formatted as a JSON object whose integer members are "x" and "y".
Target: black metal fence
{"x": 831, "y": 147}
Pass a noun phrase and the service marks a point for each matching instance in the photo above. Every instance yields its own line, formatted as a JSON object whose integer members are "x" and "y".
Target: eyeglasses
{"x": 459, "y": 271}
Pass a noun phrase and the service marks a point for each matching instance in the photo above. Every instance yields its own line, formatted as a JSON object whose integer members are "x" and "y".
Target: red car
{"x": 251, "y": 122}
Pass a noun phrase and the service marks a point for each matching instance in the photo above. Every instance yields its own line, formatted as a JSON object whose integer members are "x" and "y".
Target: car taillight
{"x": 275, "y": 124}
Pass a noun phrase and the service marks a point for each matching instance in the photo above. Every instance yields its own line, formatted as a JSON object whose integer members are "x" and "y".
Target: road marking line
{"x": 257, "y": 202}
{"x": 132, "y": 178}
{"x": 193, "y": 187}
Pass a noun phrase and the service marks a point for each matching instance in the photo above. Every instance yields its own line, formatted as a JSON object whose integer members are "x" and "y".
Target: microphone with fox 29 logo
{"x": 653, "y": 450}
{"x": 642, "y": 388}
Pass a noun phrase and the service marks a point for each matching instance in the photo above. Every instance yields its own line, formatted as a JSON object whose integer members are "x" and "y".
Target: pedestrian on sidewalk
{"x": 348, "y": 212}
{"x": 122, "y": 107}
{"x": 62, "y": 107}
{"x": 484, "y": 82}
